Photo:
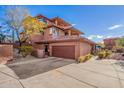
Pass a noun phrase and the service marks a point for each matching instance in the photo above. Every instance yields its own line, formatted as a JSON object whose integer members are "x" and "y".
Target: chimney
{"x": 56, "y": 22}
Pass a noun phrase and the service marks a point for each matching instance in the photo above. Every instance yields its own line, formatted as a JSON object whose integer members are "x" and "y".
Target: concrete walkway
{"x": 94, "y": 73}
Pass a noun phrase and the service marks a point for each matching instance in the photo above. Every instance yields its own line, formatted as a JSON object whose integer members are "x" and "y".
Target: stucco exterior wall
{"x": 6, "y": 51}
{"x": 36, "y": 38}
{"x": 61, "y": 33}
{"x": 85, "y": 48}
{"x": 81, "y": 48}
{"x": 46, "y": 33}
{"x": 38, "y": 46}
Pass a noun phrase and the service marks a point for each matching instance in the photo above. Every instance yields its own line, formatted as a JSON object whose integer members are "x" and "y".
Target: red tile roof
{"x": 62, "y": 24}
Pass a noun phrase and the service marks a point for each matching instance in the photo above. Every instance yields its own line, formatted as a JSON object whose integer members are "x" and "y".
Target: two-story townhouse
{"x": 61, "y": 39}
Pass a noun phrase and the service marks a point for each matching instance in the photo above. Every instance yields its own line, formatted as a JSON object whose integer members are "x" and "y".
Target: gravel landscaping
{"x": 19, "y": 59}
{"x": 117, "y": 56}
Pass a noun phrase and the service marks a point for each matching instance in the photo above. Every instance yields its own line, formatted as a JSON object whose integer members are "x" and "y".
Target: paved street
{"x": 94, "y": 73}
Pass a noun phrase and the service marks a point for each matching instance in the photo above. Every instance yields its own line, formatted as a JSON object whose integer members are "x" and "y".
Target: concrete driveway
{"x": 94, "y": 73}
{"x": 32, "y": 67}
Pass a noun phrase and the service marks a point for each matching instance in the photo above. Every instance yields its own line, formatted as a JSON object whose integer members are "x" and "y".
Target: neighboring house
{"x": 62, "y": 40}
{"x": 110, "y": 43}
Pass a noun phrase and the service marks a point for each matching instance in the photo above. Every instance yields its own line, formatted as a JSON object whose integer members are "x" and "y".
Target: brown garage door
{"x": 64, "y": 51}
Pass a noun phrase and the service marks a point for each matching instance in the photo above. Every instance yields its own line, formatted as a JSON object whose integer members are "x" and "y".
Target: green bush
{"x": 88, "y": 56}
{"x": 84, "y": 58}
{"x": 26, "y": 50}
{"x": 101, "y": 54}
{"x": 120, "y": 42}
{"x": 108, "y": 53}
{"x": 104, "y": 54}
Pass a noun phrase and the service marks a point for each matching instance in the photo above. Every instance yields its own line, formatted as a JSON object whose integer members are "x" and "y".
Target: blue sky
{"x": 97, "y": 22}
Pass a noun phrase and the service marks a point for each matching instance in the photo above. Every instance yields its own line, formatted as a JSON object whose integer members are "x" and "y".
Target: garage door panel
{"x": 64, "y": 51}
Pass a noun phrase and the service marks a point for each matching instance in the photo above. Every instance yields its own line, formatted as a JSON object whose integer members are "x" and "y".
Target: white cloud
{"x": 95, "y": 36}
{"x": 109, "y": 36}
{"x": 115, "y": 27}
{"x": 73, "y": 24}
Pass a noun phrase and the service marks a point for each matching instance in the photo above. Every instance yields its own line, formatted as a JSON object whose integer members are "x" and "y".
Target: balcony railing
{"x": 41, "y": 38}
{"x": 38, "y": 38}
{"x": 61, "y": 37}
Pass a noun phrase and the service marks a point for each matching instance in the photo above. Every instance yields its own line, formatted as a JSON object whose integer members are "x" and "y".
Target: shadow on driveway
{"x": 30, "y": 69}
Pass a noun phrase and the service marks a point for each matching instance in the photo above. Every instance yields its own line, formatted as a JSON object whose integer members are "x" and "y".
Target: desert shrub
{"x": 113, "y": 50}
{"x": 117, "y": 56}
{"x": 120, "y": 45}
{"x": 120, "y": 49}
{"x": 81, "y": 59}
{"x": 104, "y": 54}
{"x": 34, "y": 53}
{"x": 120, "y": 42}
{"x": 101, "y": 54}
{"x": 108, "y": 53}
{"x": 84, "y": 58}
{"x": 94, "y": 53}
{"x": 88, "y": 56}
{"x": 26, "y": 50}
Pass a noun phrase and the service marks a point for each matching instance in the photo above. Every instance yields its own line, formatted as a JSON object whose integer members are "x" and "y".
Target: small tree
{"x": 18, "y": 20}
{"x": 32, "y": 26}
{"x": 5, "y": 35}
{"x": 119, "y": 45}
{"x": 14, "y": 19}
{"x": 120, "y": 42}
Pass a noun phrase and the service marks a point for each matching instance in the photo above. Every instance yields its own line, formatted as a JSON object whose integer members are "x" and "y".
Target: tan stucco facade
{"x": 62, "y": 39}
{"x": 6, "y": 50}
{"x": 85, "y": 48}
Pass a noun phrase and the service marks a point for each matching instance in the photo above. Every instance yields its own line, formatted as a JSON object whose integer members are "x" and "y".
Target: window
{"x": 54, "y": 31}
{"x": 43, "y": 20}
{"x": 51, "y": 30}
